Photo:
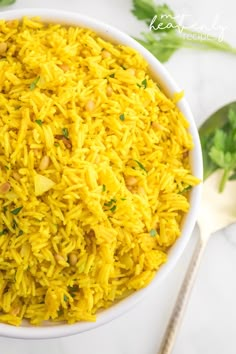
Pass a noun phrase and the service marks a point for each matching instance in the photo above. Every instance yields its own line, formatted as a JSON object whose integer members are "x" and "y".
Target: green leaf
{"x": 144, "y": 83}
{"x": 140, "y": 165}
{"x": 162, "y": 15}
{"x": 16, "y": 211}
{"x": 73, "y": 289}
{"x": 113, "y": 208}
{"x": 143, "y": 9}
{"x": 39, "y": 122}
{"x": 110, "y": 203}
{"x": 14, "y": 224}
{"x": 162, "y": 45}
{"x": 186, "y": 189}
{"x": 3, "y": 232}
{"x": 7, "y": 2}
{"x": 60, "y": 312}
{"x": 65, "y": 133}
{"x": 122, "y": 117}
{"x": 34, "y": 83}
{"x": 218, "y": 157}
{"x": 233, "y": 176}
{"x": 232, "y": 118}
{"x": 220, "y": 139}
{"x": 153, "y": 232}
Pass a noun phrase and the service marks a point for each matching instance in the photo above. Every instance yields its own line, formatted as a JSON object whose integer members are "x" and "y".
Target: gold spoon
{"x": 217, "y": 211}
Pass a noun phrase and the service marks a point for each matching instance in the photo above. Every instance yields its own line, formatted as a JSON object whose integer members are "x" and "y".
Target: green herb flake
{"x": 20, "y": 233}
{"x": 14, "y": 224}
{"x": 153, "y": 233}
{"x": 39, "y": 122}
{"x": 123, "y": 67}
{"x": 65, "y": 298}
{"x": 73, "y": 289}
{"x": 113, "y": 209}
{"x": 141, "y": 166}
{"x": 112, "y": 76}
{"x": 34, "y": 83}
{"x": 103, "y": 188}
{"x": 4, "y": 208}
{"x": 6, "y": 167}
{"x": 186, "y": 189}
{"x": 56, "y": 144}
{"x": 3, "y": 232}
{"x": 16, "y": 211}
{"x": 60, "y": 312}
{"x": 122, "y": 117}
{"x": 144, "y": 83}
{"x": 110, "y": 203}
{"x": 65, "y": 133}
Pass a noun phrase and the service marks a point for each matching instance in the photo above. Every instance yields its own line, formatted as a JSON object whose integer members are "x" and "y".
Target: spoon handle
{"x": 182, "y": 300}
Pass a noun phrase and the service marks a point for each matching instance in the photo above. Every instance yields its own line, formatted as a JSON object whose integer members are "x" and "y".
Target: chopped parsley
{"x": 112, "y": 76}
{"x": 65, "y": 298}
{"x": 103, "y": 188}
{"x": 122, "y": 117}
{"x": 3, "y": 232}
{"x": 14, "y": 224}
{"x": 153, "y": 232}
{"x": 60, "y": 312}
{"x": 144, "y": 83}
{"x": 34, "y": 83}
{"x": 73, "y": 289}
{"x": 141, "y": 166}
{"x": 186, "y": 189}
{"x": 113, "y": 209}
{"x": 65, "y": 133}
{"x": 110, "y": 203}
{"x": 16, "y": 211}
{"x": 39, "y": 122}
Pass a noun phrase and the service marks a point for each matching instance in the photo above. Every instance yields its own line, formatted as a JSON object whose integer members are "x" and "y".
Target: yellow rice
{"x": 83, "y": 116}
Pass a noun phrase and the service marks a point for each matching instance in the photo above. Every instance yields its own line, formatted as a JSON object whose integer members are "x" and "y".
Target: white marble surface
{"x": 209, "y": 323}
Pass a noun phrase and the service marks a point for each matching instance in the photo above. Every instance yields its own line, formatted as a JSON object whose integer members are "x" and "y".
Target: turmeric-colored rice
{"x": 94, "y": 173}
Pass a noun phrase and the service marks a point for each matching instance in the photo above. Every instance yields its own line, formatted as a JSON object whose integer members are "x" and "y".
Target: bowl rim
{"x": 170, "y": 87}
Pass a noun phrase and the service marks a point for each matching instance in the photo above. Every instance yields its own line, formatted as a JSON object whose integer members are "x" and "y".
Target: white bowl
{"x": 168, "y": 85}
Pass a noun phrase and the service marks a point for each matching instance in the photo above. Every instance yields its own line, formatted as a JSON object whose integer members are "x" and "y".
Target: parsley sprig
{"x": 167, "y": 36}
{"x": 219, "y": 147}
